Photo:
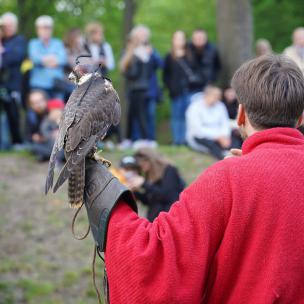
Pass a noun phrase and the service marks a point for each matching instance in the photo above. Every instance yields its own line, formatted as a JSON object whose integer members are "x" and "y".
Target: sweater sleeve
{"x": 168, "y": 261}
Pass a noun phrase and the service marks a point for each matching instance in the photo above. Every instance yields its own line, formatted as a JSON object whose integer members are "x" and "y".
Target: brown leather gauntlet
{"x": 102, "y": 192}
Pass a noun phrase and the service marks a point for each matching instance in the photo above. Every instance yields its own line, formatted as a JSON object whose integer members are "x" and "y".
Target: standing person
{"x": 296, "y": 50}
{"x": 236, "y": 233}
{"x": 154, "y": 94}
{"x": 175, "y": 79}
{"x": 98, "y": 48}
{"x": 208, "y": 125}
{"x": 205, "y": 62}
{"x": 161, "y": 184}
{"x": 49, "y": 58}
{"x": 13, "y": 52}
{"x": 136, "y": 66}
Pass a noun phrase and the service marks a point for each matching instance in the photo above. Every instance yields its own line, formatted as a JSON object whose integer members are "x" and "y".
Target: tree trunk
{"x": 128, "y": 21}
{"x": 235, "y": 35}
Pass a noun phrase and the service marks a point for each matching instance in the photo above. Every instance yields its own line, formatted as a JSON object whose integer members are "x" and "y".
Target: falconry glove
{"x": 101, "y": 194}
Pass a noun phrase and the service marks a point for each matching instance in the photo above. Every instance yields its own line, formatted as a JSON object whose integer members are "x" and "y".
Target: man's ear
{"x": 299, "y": 122}
{"x": 241, "y": 117}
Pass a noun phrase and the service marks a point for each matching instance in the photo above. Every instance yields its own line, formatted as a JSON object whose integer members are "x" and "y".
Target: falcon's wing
{"x": 67, "y": 119}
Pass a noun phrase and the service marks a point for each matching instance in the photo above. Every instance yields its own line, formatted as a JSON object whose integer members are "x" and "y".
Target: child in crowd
{"x": 37, "y": 111}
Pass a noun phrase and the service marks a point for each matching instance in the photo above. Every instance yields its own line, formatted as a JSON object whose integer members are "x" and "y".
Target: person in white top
{"x": 98, "y": 48}
{"x": 296, "y": 51}
{"x": 207, "y": 123}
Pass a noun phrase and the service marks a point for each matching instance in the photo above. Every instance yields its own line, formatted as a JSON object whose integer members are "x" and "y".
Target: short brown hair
{"x": 271, "y": 89}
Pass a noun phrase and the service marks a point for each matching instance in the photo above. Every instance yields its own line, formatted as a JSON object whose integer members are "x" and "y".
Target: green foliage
{"x": 165, "y": 17}
{"x": 275, "y": 20}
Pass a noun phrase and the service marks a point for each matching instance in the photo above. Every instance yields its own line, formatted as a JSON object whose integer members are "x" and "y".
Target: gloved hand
{"x": 102, "y": 192}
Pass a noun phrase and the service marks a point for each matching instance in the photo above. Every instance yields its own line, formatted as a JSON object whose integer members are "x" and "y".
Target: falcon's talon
{"x": 104, "y": 161}
{"x": 76, "y": 205}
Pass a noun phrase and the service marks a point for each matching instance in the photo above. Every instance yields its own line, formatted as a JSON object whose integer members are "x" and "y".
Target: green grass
{"x": 40, "y": 260}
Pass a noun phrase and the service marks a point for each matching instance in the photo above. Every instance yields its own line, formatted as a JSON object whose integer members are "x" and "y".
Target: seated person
{"x": 161, "y": 185}
{"x": 128, "y": 168}
{"x": 49, "y": 130}
{"x": 207, "y": 123}
{"x": 37, "y": 110}
{"x": 231, "y": 103}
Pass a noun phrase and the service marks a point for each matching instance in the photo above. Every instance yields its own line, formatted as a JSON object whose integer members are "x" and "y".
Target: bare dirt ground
{"x": 40, "y": 261}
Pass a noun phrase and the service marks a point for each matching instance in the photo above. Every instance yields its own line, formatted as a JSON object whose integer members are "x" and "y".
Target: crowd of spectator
{"x": 33, "y": 79}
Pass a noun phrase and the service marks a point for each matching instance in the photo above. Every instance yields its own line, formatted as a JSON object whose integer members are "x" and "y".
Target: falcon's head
{"x": 81, "y": 73}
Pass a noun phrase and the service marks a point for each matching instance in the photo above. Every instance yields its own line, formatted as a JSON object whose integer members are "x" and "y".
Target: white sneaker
{"x": 125, "y": 144}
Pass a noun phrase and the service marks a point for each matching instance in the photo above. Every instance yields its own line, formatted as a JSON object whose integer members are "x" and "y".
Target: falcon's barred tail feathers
{"x": 76, "y": 185}
{"x": 74, "y": 158}
{"x": 50, "y": 174}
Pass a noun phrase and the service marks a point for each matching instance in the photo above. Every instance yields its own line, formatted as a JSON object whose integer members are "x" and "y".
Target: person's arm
{"x": 110, "y": 62}
{"x": 61, "y": 56}
{"x": 166, "y": 71}
{"x": 14, "y": 55}
{"x": 194, "y": 124}
{"x": 126, "y": 58}
{"x": 157, "y": 61}
{"x": 169, "y": 260}
{"x": 34, "y": 52}
{"x": 216, "y": 65}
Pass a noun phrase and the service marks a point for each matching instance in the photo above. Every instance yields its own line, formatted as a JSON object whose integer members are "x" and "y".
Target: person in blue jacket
{"x": 12, "y": 52}
{"x": 49, "y": 58}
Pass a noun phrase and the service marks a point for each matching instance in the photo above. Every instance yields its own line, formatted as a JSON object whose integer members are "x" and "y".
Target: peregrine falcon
{"x": 90, "y": 111}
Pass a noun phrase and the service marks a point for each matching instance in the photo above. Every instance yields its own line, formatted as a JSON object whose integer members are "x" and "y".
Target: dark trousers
{"x": 215, "y": 149}
{"x": 11, "y": 107}
{"x": 137, "y": 113}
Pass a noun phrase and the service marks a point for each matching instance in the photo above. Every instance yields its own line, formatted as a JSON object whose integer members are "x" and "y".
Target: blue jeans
{"x": 179, "y": 106}
{"x": 150, "y": 119}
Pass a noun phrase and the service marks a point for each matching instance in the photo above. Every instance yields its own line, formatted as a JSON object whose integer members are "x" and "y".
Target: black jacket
{"x": 138, "y": 75}
{"x": 159, "y": 196}
{"x": 205, "y": 64}
{"x": 174, "y": 75}
{"x": 15, "y": 53}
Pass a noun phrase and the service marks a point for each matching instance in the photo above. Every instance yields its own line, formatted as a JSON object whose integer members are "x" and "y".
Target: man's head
{"x": 270, "y": 90}
{"x": 199, "y": 38}
{"x": 37, "y": 101}
{"x": 212, "y": 95}
{"x": 298, "y": 37}
{"x": 44, "y": 26}
{"x": 9, "y": 24}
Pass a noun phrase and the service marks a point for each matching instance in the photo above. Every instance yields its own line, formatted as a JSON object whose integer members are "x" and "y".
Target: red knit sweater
{"x": 235, "y": 236}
